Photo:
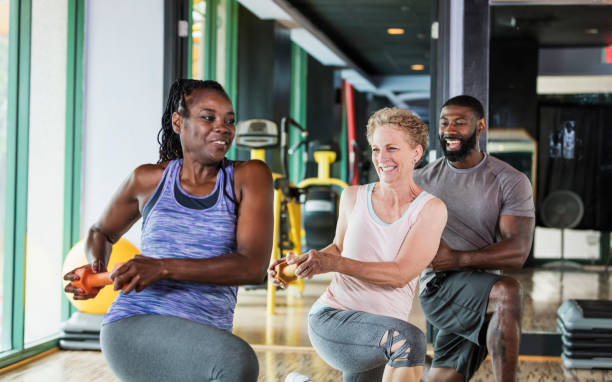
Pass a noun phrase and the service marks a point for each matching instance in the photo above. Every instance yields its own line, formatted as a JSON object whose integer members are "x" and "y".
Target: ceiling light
{"x": 417, "y": 67}
{"x": 395, "y": 30}
{"x": 265, "y": 9}
{"x": 315, "y": 48}
{"x": 591, "y": 31}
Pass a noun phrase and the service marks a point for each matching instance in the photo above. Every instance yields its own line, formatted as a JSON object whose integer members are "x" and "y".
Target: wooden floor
{"x": 274, "y": 365}
{"x": 282, "y": 346}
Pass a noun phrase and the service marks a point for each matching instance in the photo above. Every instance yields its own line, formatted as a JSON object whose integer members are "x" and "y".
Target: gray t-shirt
{"x": 475, "y": 198}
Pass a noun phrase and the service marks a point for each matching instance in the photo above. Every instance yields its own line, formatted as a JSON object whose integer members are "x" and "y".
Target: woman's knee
{"x": 416, "y": 338}
{"x": 243, "y": 363}
{"x": 408, "y": 347}
{"x": 244, "y": 369}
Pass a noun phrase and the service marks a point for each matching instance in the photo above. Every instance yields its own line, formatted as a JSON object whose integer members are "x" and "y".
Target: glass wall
{"x": 198, "y": 31}
{"x": 4, "y": 50}
{"x": 221, "y": 27}
{"x": 46, "y": 154}
{"x": 216, "y": 44}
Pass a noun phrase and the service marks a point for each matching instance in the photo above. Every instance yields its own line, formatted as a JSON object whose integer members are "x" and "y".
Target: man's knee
{"x": 445, "y": 374}
{"x": 506, "y": 294}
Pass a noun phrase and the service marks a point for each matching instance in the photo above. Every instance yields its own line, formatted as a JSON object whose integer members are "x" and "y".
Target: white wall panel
{"x": 123, "y": 98}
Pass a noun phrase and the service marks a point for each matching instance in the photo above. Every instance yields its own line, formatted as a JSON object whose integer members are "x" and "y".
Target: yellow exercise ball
{"x": 122, "y": 251}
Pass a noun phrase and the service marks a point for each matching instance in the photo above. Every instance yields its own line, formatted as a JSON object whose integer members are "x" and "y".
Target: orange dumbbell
{"x": 285, "y": 272}
{"x": 89, "y": 281}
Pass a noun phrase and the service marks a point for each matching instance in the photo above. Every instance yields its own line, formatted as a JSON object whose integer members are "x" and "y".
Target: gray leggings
{"x": 352, "y": 342}
{"x": 163, "y": 348}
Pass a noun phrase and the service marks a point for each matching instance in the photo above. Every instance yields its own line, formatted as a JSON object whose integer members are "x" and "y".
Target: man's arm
{"x": 509, "y": 253}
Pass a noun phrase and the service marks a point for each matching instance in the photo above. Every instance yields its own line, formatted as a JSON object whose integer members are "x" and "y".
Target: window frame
{"x": 74, "y": 133}
{"x": 20, "y": 23}
{"x": 16, "y": 176}
{"x": 211, "y": 50}
{"x": 298, "y": 108}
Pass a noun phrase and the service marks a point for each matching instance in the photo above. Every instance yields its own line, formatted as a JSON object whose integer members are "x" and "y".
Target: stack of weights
{"x": 81, "y": 332}
{"x": 586, "y": 333}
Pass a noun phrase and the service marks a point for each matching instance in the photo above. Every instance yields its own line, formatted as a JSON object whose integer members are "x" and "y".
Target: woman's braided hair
{"x": 169, "y": 142}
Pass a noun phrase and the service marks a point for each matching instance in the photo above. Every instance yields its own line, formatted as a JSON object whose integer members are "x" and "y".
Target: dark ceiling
{"x": 359, "y": 28}
{"x": 554, "y": 26}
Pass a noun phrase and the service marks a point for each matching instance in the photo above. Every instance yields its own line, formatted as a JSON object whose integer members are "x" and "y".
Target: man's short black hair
{"x": 467, "y": 101}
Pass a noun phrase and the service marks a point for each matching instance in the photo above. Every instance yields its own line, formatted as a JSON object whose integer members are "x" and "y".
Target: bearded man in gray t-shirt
{"x": 490, "y": 226}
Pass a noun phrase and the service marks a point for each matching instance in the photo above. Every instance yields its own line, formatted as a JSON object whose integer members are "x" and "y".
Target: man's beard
{"x": 467, "y": 145}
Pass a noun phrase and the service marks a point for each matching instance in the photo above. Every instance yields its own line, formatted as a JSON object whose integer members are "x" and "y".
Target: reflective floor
{"x": 282, "y": 346}
{"x": 546, "y": 289}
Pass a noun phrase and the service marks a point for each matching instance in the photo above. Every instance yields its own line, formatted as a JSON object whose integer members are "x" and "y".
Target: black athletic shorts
{"x": 455, "y": 303}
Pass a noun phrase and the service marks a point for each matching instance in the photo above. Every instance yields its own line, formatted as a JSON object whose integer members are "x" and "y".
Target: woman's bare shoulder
{"x": 435, "y": 209}
{"x": 147, "y": 176}
{"x": 244, "y": 170}
{"x": 435, "y": 204}
{"x": 252, "y": 175}
{"x": 350, "y": 193}
{"x": 348, "y": 198}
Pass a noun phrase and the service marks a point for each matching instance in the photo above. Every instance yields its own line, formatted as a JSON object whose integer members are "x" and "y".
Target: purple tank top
{"x": 179, "y": 225}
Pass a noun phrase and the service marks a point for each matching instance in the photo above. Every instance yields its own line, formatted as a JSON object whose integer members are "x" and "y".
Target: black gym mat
{"x": 598, "y": 315}
{"x": 595, "y": 333}
{"x": 595, "y": 308}
{"x": 586, "y": 344}
{"x": 586, "y": 354}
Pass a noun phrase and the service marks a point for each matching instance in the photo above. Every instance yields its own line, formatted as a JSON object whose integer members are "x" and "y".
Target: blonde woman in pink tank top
{"x": 387, "y": 233}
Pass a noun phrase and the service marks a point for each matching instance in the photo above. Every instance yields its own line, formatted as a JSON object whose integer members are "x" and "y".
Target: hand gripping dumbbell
{"x": 285, "y": 272}
{"x": 89, "y": 281}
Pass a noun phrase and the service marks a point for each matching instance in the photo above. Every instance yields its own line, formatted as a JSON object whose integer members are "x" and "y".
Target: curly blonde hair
{"x": 416, "y": 131}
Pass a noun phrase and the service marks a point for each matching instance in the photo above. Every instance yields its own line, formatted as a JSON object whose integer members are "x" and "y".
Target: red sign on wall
{"x": 608, "y": 54}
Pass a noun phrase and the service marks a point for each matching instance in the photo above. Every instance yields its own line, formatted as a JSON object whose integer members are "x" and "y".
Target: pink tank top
{"x": 369, "y": 239}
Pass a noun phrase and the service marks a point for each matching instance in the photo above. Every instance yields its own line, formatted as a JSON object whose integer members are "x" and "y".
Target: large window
{"x": 4, "y": 74}
{"x": 46, "y": 152}
{"x": 40, "y": 76}
{"x": 221, "y": 32}
{"x": 213, "y": 48}
{"x": 198, "y": 32}
{"x": 213, "y": 40}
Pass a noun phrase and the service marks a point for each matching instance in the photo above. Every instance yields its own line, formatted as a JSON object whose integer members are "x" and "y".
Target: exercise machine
{"x": 259, "y": 135}
{"x": 320, "y": 198}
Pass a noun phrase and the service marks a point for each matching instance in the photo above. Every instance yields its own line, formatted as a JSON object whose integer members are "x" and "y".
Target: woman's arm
{"x": 415, "y": 253}
{"x": 253, "y": 184}
{"x": 347, "y": 202}
{"x": 120, "y": 214}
